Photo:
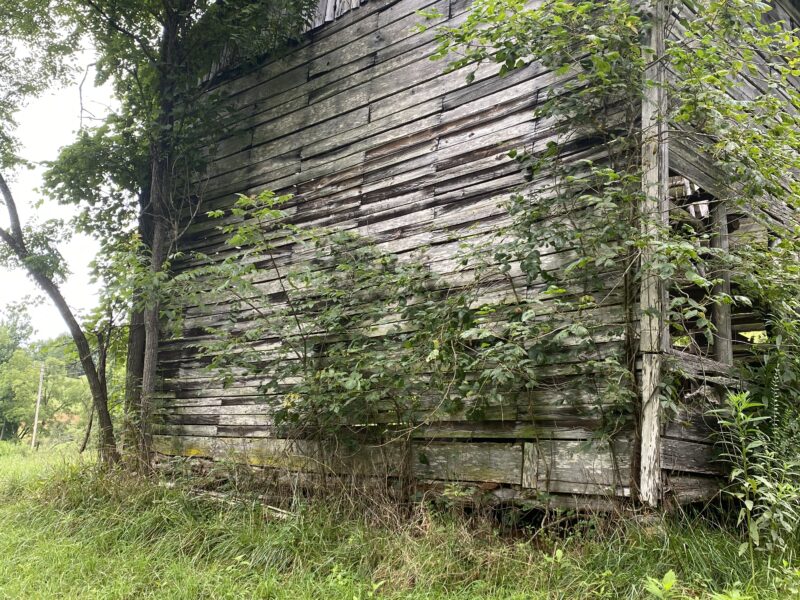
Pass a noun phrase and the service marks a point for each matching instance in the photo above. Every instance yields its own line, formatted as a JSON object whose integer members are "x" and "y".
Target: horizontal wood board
{"x": 690, "y": 459}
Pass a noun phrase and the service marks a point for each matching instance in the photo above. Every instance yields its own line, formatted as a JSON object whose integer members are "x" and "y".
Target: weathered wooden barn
{"x": 370, "y": 135}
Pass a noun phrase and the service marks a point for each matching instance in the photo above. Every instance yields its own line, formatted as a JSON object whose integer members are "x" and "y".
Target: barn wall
{"x": 372, "y": 136}
{"x": 690, "y": 433}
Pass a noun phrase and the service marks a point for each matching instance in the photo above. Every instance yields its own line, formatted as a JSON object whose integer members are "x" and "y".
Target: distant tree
{"x": 63, "y": 392}
{"x": 15, "y": 329}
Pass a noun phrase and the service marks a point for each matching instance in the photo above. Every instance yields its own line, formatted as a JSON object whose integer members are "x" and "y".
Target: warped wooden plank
{"x": 491, "y": 462}
{"x": 691, "y": 423}
{"x": 687, "y": 489}
{"x": 592, "y": 467}
{"x": 286, "y": 454}
{"x": 684, "y": 456}
{"x": 464, "y": 462}
{"x": 700, "y": 366}
{"x": 349, "y": 210}
{"x": 326, "y": 106}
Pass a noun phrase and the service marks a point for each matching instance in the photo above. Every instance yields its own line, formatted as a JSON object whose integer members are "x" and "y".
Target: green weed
{"x": 71, "y": 532}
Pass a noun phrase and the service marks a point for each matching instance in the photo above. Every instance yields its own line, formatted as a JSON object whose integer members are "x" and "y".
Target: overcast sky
{"x": 46, "y": 125}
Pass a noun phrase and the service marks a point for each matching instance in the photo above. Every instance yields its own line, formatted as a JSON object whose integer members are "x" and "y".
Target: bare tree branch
{"x": 80, "y": 96}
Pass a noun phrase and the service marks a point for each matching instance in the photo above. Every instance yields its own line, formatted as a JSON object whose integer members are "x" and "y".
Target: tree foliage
{"x": 35, "y": 30}
{"x": 160, "y": 57}
{"x": 141, "y": 165}
{"x": 33, "y": 46}
{"x": 65, "y": 396}
{"x": 107, "y": 168}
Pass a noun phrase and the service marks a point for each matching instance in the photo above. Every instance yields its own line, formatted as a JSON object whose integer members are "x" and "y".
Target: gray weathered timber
{"x": 688, "y": 457}
{"x": 372, "y": 137}
{"x": 654, "y": 213}
{"x": 490, "y": 462}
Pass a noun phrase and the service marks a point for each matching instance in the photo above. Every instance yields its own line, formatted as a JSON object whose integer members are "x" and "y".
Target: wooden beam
{"x": 482, "y": 462}
{"x": 721, "y": 311}
{"x": 700, "y": 366}
{"x": 654, "y": 215}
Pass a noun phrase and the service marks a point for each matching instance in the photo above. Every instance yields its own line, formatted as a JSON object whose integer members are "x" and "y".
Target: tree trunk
{"x": 88, "y": 433}
{"x": 107, "y": 446}
{"x": 15, "y": 240}
{"x": 160, "y": 204}
{"x": 152, "y": 334}
{"x": 134, "y": 362}
{"x": 134, "y": 367}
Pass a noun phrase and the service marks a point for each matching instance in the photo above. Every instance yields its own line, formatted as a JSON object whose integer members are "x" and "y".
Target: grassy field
{"x": 66, "y": 532}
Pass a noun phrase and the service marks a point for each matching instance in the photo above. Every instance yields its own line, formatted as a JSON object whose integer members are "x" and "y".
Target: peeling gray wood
{"x": 329, "y": 10}
{"x": 373, "y": 137}
{"x": 654, "y": 213}
{"x": 684, "y": 456}
{"x": 687, "y": 489}
{"x": 721, "y": 311}
{"x": 595, "y": 467}
{"x": 285, "y": 454}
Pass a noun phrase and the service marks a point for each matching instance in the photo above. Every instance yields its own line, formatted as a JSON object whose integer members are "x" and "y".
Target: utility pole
{"x": 38, "y": 404}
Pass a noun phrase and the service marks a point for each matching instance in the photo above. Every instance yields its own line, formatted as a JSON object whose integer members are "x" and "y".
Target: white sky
{"x": 45, "y": 125}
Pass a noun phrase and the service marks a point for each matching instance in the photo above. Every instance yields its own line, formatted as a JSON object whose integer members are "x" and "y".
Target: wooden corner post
{"x": 721, "y": 311}
{"x": 654, "y": 217}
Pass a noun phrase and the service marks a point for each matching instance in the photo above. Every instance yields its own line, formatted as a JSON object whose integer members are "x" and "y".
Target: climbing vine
{"x": 342, "y": 336}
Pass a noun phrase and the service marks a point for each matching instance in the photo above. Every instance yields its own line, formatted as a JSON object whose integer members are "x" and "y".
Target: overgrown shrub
{"x": 765, "y": 472}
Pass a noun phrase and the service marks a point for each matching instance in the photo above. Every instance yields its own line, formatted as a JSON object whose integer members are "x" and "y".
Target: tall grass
{"x": 67, "y": 531}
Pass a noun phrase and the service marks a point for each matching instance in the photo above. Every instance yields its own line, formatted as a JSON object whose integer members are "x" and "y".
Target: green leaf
{"x": 669, "y": 580}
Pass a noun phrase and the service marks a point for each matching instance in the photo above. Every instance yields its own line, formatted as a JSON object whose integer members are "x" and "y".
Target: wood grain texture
{"x": 654, "y": 213}
{"x": 373, "y": 137}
